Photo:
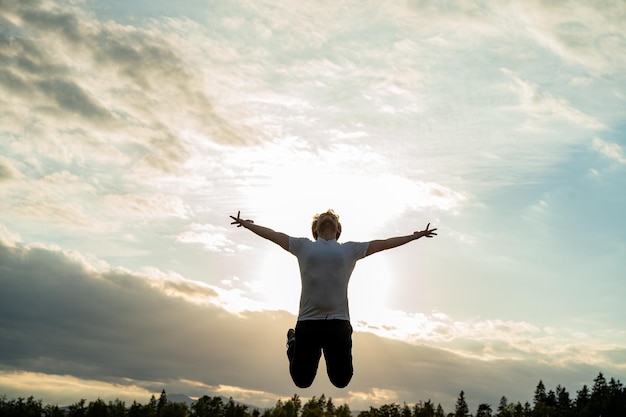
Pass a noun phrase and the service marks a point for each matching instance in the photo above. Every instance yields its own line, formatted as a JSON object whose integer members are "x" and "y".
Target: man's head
{"x": 324, "y": 221}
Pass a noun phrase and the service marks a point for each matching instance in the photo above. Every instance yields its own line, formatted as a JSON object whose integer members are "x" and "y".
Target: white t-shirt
{"x": 325, "y": 269}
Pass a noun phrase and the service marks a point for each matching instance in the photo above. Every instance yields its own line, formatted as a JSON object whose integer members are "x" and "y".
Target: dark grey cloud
{"x": 12, "y": 83}
{"x": 138, "y": 57}
{"x": 35, "y": 75}
{"x": 35, "y": 14}
{"x": 72, "y": 98}
{"x": 60, "y": 316}
{"x": 424, "y": 372}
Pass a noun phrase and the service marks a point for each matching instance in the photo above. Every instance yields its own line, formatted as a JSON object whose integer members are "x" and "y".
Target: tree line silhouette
{"x": 606, "y": 399}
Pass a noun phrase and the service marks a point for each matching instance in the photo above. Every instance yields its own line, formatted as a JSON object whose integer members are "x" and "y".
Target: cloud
{"x": 54, "y": 197}
{"x": 65, "y": 69}
{"x": 495, "y": 339}
{"x": 352, "y": 179}
{"x": 68, "y": 97}
{"x": 580, "y": 34}
{"x": 610, "y": 150}
{"x": 133, "y": 105}
{"x": 375, "y": 396}
{"x": 586, "y": 35}
{"x": 542, "y": 108}
{"x": 211, "y": 237}
{"x": 145, "y": 206}
{"x": 95, "y": 110}
{"x": 8, "y": 171}
{"x": 8, "y": 238}
{"x": 132, "y": 135}
{"x": 63, "y": 314}
{"x": 64, "y": 390}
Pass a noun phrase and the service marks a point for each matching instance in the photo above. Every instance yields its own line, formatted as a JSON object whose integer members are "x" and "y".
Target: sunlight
{"x": 288, "y": 182}
{"x": 369, "y": 289}
{"x": 375, "y": 396}
{"x": 66, "y": 388}
{"x": 364, "y": 203}
{"x": 277, "y": 282}
{"x": 250, "y": 396}
{"x": 293, "y": 182}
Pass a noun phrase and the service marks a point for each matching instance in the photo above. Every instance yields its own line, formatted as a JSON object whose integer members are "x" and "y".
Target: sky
{"x": 131, "y": 131}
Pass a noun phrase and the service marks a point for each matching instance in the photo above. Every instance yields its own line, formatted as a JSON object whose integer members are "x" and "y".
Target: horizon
{"x": 599, "y": 382}
{"x": 131, "y": 131}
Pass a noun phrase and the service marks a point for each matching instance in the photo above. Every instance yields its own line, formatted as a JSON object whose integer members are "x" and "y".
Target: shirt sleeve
{"x": 359, "y": 249}
{"x": 296, "y": 243}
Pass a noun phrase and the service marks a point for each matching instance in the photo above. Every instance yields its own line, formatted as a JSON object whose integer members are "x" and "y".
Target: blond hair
{"x": 330, "y": 212}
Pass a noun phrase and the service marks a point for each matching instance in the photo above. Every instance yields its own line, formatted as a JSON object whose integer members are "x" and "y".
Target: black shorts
{"x": 334, "y": 338}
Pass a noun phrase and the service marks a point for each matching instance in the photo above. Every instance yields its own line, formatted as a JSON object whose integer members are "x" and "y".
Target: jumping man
{"x": 323, "y": 320}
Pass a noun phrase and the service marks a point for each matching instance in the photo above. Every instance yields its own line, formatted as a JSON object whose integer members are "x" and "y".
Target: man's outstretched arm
{"x": 384, "y": 244}
{"x": 279, "y": 238}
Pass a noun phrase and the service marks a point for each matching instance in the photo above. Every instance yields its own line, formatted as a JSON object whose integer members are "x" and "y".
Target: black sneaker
{"x": 291, "y": 341}
{"x": 291, "y": 337}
